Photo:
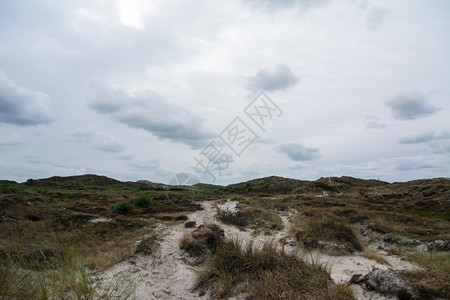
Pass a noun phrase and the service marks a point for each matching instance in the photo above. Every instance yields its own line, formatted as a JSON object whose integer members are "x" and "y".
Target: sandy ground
{"x": 165, "y": 275}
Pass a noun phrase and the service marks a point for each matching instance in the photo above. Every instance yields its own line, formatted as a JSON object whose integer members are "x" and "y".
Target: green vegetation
{"x": 143, "y": 202}
{"x": 122, "y": 207}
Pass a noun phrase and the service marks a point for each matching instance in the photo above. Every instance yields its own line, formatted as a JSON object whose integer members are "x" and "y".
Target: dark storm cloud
{"x": 265, "y": 80}
{"x": 424, "y": 137}
{"x": 98, "y": 140}
{"x": 150, "y": 112}
{"x": 21, "y": 107}
{"x": 410, "y": 105}
{"x": 298, "y": 152}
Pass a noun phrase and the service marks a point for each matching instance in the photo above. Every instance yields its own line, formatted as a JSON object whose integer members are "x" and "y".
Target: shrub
{"x": 143, "y": 202}
{"x": 122, "y": 207}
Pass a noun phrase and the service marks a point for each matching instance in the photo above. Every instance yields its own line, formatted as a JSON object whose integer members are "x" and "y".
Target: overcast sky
{"x": 149, "y": 89}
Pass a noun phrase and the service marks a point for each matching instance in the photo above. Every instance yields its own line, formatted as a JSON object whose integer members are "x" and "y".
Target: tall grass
{"x": 433, "y": 280}
{"x": 66, "y": 276}
{"x": 270, "y": 274}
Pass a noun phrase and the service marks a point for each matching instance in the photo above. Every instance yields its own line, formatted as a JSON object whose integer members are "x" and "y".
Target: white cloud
{"x": 11, "y": 140}
{"x": 98, "y": 140}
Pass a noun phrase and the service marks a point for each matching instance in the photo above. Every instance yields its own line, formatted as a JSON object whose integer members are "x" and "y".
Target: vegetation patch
{"x": 203, "y": 240}
{"x": 332, "y": 230}
{"x": 143, "y": 202}
{"x": 373, "y": 255}
{"x": 266, "y": 273}
{"x": 433, "y": 280}
{"x": 122, "y": 207}
{"x": 246, "y": 216}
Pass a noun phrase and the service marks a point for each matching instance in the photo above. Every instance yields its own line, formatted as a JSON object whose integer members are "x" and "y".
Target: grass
{"x": 373, "y": 255}
{"x": 203, "y": 240}
{"x": 255, "y": 218}
{"x": 333, "y": 230}
{"x": 433, "y": 280}
{"x": 67, "y": 277}
{"x": 266, "y": 273}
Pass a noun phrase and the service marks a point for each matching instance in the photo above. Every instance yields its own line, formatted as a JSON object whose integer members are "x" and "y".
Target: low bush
{"x": 143, "y": 202}
{"x": 122, "y": 207}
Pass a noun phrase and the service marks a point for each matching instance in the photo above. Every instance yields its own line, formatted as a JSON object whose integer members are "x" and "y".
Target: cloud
{"x": 98, "y": 140}
{"x": 273, "y": 6}
{"x": 148, "y": 111}
{"x": 298, "y": 152}
{"x": 375, "y": 17}
{"x": 265, "y": 80}
{"x": 21, "y": 107}
{"x": 442, "y": 147}
{"x": 410, "y": 105}
{"x": 424, "y": 137}
{"x": 12, "y": 140}
{"x": 416, "y": 163}
{"x": 372, "y": 122}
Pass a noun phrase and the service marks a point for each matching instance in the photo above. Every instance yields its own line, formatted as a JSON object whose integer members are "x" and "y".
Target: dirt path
{"x": 165, "y": 275}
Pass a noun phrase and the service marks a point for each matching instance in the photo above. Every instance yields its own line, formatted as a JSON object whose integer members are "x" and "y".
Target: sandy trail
{"x": 165, "y": 275}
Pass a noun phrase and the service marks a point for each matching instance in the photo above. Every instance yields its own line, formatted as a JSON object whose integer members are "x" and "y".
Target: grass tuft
{"x": 333, "y": 230}
{"x": 270, "y": 273}
{"x": 373, "y": 255}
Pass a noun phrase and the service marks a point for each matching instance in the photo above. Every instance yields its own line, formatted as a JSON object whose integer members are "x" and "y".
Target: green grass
{"x": 266, "y": 273}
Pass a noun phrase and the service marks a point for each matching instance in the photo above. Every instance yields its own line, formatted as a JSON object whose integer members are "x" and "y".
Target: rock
{"x": 391, "y": 239}
{"x": 386, "y": 283}
{"x": 329, "y": 248}
{"x": 439, "y": 245}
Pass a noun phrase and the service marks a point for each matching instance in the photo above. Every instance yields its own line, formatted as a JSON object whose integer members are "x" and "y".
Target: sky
{"x": 225, "y": 91}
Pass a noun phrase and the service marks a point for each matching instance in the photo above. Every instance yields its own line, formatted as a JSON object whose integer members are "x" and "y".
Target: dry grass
{"x": 269, "y": 274}
{"x": 373, "y": 255}
{"x": 65, "y": 278}
{"x": 255, "y": 218}
{"x": 433, "y": 280}
{"x": 331, "y": 229}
